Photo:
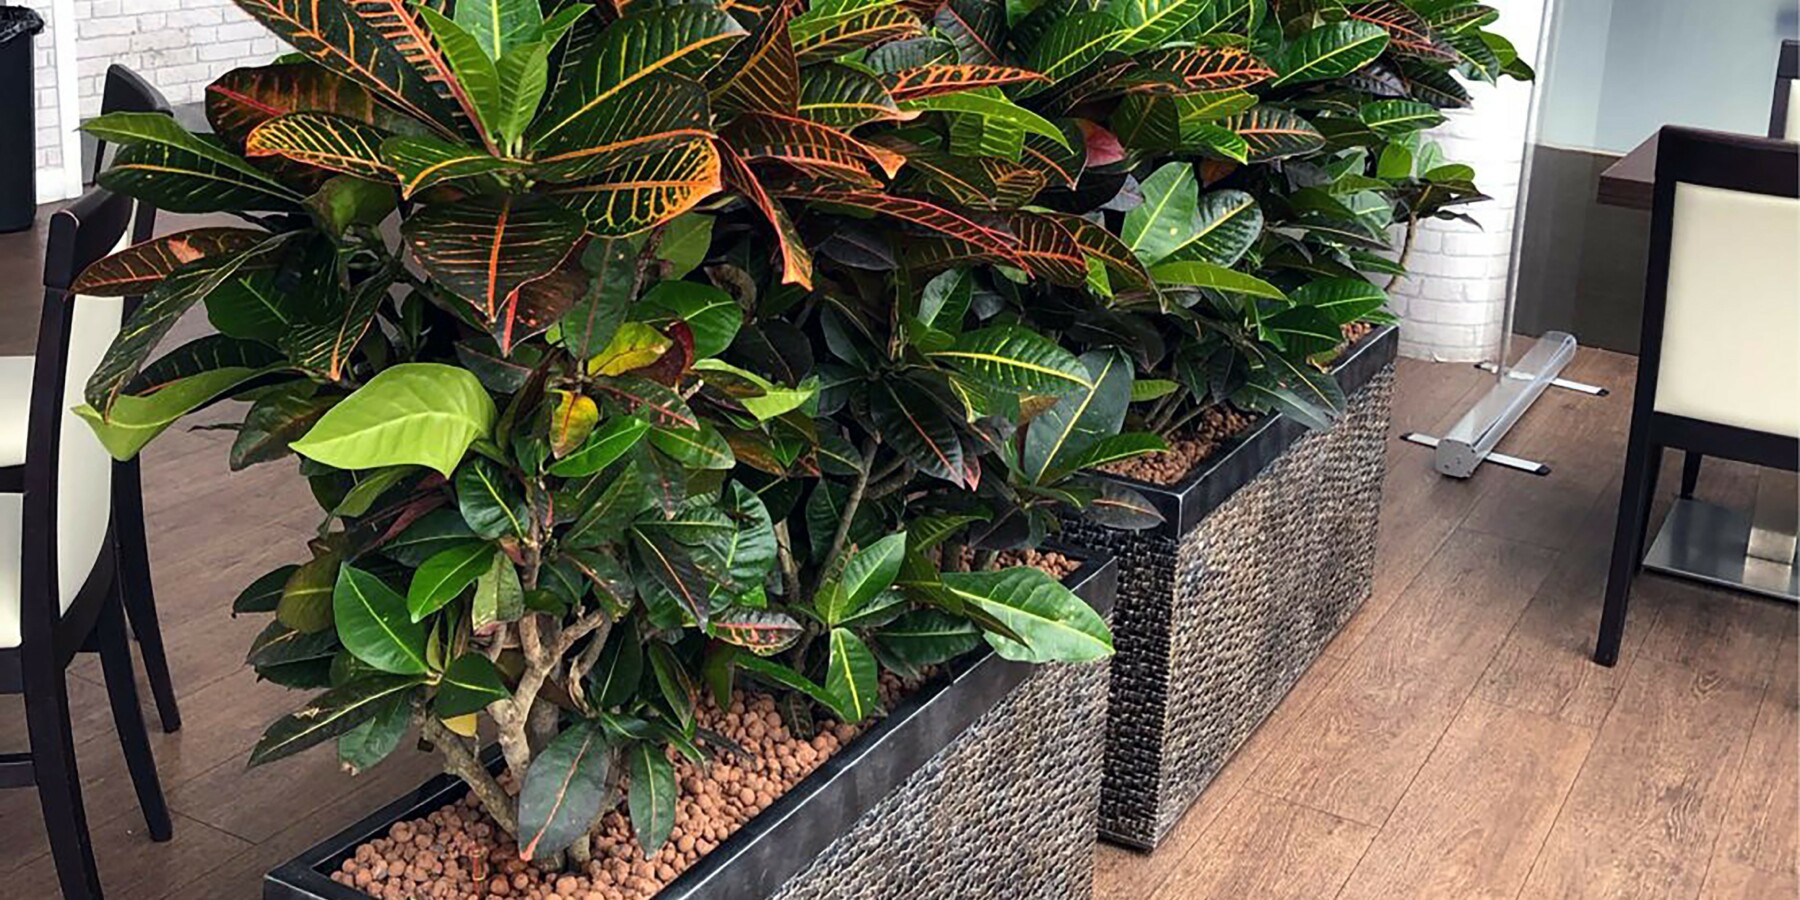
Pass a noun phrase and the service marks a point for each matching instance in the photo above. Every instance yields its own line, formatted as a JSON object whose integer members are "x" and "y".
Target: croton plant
{"x": 635, "y": 350}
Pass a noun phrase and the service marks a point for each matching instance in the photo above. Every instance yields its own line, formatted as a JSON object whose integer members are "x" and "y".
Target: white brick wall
{"x": 1453, "y": 303}
{"x": 178, "y": 45}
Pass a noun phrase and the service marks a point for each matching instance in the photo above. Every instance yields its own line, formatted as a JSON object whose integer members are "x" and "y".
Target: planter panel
{"x": 1268, "y": 550}
{"x": 935, "y": 800}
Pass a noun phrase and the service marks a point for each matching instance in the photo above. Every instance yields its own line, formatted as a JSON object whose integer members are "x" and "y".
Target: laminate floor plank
{"x": 1270, "y": 849}
{"x": 1762, "y": 827}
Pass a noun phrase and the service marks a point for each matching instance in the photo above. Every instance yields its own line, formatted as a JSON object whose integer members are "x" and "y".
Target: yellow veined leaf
{"x": 634, "y": 346}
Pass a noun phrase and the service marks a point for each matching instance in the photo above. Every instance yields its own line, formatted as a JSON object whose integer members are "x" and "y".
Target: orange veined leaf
{"x": 324, "y": 141}
{"x": 1058, "y": 163}
{"x": 244, "y": 98}
{"x": 646, "y": 192}
{"x": 1049, "y": 248}
{"x": 925, "y": 215}
{"x": 1408, "y": 32}
{"x": 140, "y": 267}
{"x": 829, "y": 31}
{"x": 927, "y": 81}
{"x": 767, "y": 76}
{"x": 346, "y": 39}
{"x": 657, "y": 113}
{"x": 398, "y": 21}
{"x": 985, "y": 182}
{"x": 796, "y": 260}
{"x": 421, "y": 161}
{"x": 976, "y": 27}
{"x": 843, "y": 97}
{"x": 1210, "y": 68}
{"x": 482, "y": 250}
{"x": 1273, "y": 133}
{"x": 537, "y": 304}
{"x": 813, "y": 148}
{"x": 1098, "y": 243}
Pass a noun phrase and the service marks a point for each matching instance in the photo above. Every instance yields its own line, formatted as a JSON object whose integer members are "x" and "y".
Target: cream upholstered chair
{"x": 60, "y": 584}
{"x": 1719, "y": 360}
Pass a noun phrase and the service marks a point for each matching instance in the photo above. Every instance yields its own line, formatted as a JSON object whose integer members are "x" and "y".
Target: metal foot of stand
{"x": 1471, "y": 441}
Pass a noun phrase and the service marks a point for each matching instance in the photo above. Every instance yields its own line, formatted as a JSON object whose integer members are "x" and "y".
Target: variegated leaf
{"x": 1273, "y": 133}
{"x": 833, "y": 28}
{"x": 763, "y": 75}
{"x": 1210, "y": 68}
{"x": 841, "y": 97}
{"x": 324, "y": 141}
{"x": 926, "y": 81}
{"x": 422, "y": 161}
{"x": 481, "y": 250}
{"x": 646, "y": 192}
{"x": 655, "y": 114}
{"x": 140, "y": 267}
{"x": 796, "y": 259}
{"x": 810, "y": 147}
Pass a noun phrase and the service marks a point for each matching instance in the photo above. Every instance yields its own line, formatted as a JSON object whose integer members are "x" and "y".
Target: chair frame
{"x": 1714, "y": 159}
{"x": 84, "y": 231}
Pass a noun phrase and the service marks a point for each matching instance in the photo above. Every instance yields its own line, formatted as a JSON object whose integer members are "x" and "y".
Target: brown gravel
{"x": 1217, "y": 425}
{"x": 458, "y": 853}
{"x": 1055, "y": 564}
{"x": 1356, "y": 331}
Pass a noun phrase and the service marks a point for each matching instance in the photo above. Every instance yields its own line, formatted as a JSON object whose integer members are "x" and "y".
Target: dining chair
{"x": 1784, "y": 125}
{"x": 61, "y": 584}
{"x": 1719, "y": 358}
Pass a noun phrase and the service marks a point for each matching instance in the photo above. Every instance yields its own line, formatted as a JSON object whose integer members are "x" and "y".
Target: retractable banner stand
{"x": 1460, "y": 451}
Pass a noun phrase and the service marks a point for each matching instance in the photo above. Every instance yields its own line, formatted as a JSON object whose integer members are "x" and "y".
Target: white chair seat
{"x": 11, "y": 508}
{"x": 15, "y": 408}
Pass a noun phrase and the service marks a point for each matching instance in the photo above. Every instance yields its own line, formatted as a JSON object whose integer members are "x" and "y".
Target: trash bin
{"x": 18, "y": 128}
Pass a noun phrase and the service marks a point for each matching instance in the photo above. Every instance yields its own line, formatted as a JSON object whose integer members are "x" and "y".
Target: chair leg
{"x": 128, "y": 717}
{"x": 1690, "y": 473}
{"x": 59, "y": 786}
{"x": 1627, "y": 551}
{"x": 140, "y": 604}
{"x": 1652, "y": 475}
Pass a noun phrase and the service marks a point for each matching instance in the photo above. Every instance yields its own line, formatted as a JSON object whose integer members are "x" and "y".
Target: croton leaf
{"x": 274, "y": 420}
{"x": 796, "y": 259}
{"x": 1210, "y": 68}
{"x": 536, "y": 305}
{"x": 499, "y": 25}
{"x": 926, "y": 81}
{"x": 468, "y": 685}
{"x": 841, "y": 97}
{"x": 1072, "y": 43}
{"x": 1329, "y": 51}
{"x": 1396, "y": 118}
{"x": 330, "y": 714}
{"x": 617, "y": 673}
{"x": 923, "y": 638}
{"x": 916, "y": 212}
{"x": 322, "y": 140}
{"x": 660, "y": 405}
{"x": 764, "y": 75}
{"x": 444, "y": 576}
{"x": 1077, "y": 421}
{"x": 761, "y": 631}
{"x": 656, "y": 113}
{"x": 1151, "y": 23}
{"x": 483, "y": 249}
{"x": 1195, "y": 273}
{"x": 810, "y": 147}
{"x": 1098, "y": 243}
{"x": 244, "y": 98}
{"x": 1054, "y": 625}
{"x": 1345, "y": 300}
{"x": 409, "y": 414}
{"x": 646, "y": 192}
{"x": 564, "y": 788}
{"x": 1273, "y": 133}
{"x": 852, "y": 677}
{"x": 1048, "y": 248}
{"x": 686, "y": 39}
{"x": 365, "y": 746}
{"x": 490, "y": 500}
{"x": 421, "y": 161}
{"x": 1227, "y": 224}
{"x": 991, "y": 106}
{"x": 1121, "y": 507}
{"x": 1061, "y": 162}
{"x": 917, "y": 426}
{"x": 177, "y": 180}
{"x": 136, "y": 269}
{"x": 324, "y": 343}
{"x": 976, "y": 27}
{"x": 1408, "y": 32}
{"x": 604, "y": 446}
{"x": 675, "y": 576}
{"x": 832, "y": 28}
{"x": 380, "y": 45}
{"x": 652, "y": 796}
{"x": 373, "y": 623}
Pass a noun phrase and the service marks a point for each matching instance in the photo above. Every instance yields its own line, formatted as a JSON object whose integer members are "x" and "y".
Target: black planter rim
{"x": 1240, "y": 459}
{"x": 781, "y": 840}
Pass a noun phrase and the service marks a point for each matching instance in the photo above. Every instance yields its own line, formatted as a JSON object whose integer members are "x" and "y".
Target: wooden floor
{"x": 1454, "y": 742}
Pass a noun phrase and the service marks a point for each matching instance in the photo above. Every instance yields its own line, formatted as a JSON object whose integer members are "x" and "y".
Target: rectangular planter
{"x": 983, "y": 783}
{"x": 1267, "y": 549}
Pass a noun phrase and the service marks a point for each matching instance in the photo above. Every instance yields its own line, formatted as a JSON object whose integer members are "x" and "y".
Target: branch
{"x": 1412, "y": 222}
{"x": 856, "y": 497}
{"x": 460, "y": 762}
{"x": 790, "y": 571}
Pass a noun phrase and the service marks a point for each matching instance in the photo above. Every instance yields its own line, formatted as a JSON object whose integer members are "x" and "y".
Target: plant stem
{"x": 790, "y": 571}
{"x": 856, "y": 497}
{"x": 459, "y": 761}
{"x": 1412, "y": 222}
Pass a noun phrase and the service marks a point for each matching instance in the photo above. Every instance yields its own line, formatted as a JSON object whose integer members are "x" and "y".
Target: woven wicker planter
{"x": 984, "y": 783}
{"x": 1267, "y": 550}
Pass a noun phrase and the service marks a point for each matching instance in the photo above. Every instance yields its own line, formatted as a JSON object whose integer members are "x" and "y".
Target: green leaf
{"x": 474, "y": 68}
{"x": 1394, "y": 118}
{"x": 1115, "y": 447}
{"x": 1207, "y": 275}
{"x": 433, "y": 533}
{"x": 330, "y": 714}
{"x": 1072, "y": 43}
{"x": 1121, "y": 507}
{"x": 1229, "y": 222}
{"x": 263, "y": 594}
{"x": 924, "y": 638}
{"x": 1151, "y": 23}
{"x": 843, "y": 97}
{"x": 1146, "y": 389}
{"x": 143, "y": 129}
{"x": 469, "y": 684}
{"x": 1166, "y": 219}
{"x": 370, "y": 486}
{"x": 634, "y": 345}
{"x": 918, "y": 427}
{"x": 602, "y": 448}
{"x": 869, "y": 571}
{"x": 1055, "y": 624}
{"x": 1328, "y": 51}
{"x": 414, "y": 413}
{"x": 1014, "y": 358}
{"x": 421, "y": 161}
{"x": 499, "y": 597}
{"x": 761, "y": 631}
{"x": 777, "y": 674}
{"x": 685, "y": 241}
{"x": 990, "y": 103}
{"x": 444, "y": 576}
{"x": 832, "y": 28}
{"x": 363, "y": 747}
{"x": 652, "y": 797}
{"x": 617, "y": 673}
{"x": 1345, "y": 300}
{"x": 374, "y": 625}
{"x": 657, "y": 113}
{"x": 698, "y": 448}
{"x": 712, "y": 315}
{"x": 306, "y": 603}
{"x": 1271, "y": 133}
{"x": 647, "y": 192}
{"x": 1060, "y": 434}
{"x": 135, "y": 420}
{"x": 563, "y": 790}
{"x": 490, "y": 500}
{"x": 851, "y": 677}
{"x": 499, "y": 25}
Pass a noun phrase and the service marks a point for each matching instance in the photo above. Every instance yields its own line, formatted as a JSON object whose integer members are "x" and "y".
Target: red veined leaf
{"x": 796, "y": 260}
{"x": 687, "y": 39}
{"x": 421, "y": 161}
{"x": 981, "y": 181}
{"x": 1108, "y": 79}
{"x": 916, "y": 425}
{"x": 657, "y": 113}
{"x": 929, "y": 216}
{"x": 1408, "y": 32}
{"x": 481, "y": 250}
{"x": 926, "y": 81}
{"x": 1099, "y": 243}
{"x": 359, "y": 42}
{"x": 398, "y": 22}
{"x": 829, "y": 31}
{"x": 324, "y": 343}
{"x": 1210, "y": 68}
{"x": 1274, "y": 133}
{"x": 1049, "y": 248}
{"x": 661, "y": 405}
{"x": 140, "y": 267}
{"x": 767, "y": 78}
{"x": 537, "y": 304}
{"x": 242, "y": 99}
{"x": 1060, "y": 164}
{"x": 675, "y": 361}
{"x": 810, "y": 147}
{"x": 761, "y": 631}
{"x": 324, "y": 141}
{"x": 646, "y": 192}
{"x": 842, "y": 97}
{"x": 976, "y": 27}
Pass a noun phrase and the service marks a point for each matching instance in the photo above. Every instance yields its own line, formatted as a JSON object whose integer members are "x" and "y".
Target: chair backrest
{"x": 1721, "y": 340}
{"x": 1784, "y": 112}
{"x": 68, "y": 475}
{"x": 127, "y": 91}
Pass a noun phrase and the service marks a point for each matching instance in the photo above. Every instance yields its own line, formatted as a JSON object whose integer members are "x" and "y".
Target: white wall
{"x": 178, "y": 45}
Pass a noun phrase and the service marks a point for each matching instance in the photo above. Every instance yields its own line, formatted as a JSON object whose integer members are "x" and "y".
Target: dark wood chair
{"x": 1719, "y": 360}
{"x": 61, "y": 576}
{"x": 1783, "y": 126}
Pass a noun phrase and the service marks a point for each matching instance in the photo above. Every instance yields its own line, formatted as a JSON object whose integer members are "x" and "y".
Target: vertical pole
{"x": 1545, "y": 46}
{"x": 68, "y": 95}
